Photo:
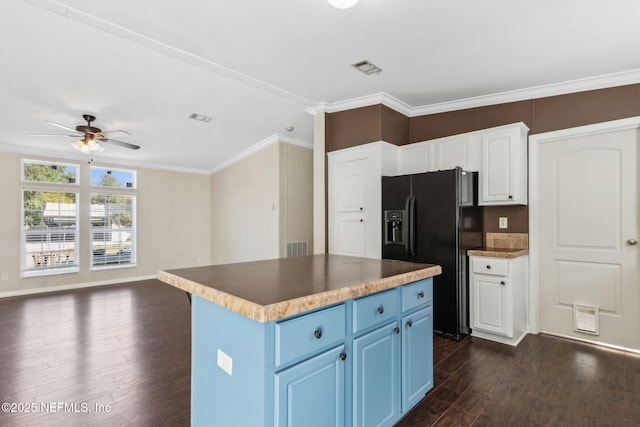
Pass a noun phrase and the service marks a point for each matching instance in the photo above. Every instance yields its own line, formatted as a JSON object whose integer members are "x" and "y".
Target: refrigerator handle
{"x": 411, "y": 214}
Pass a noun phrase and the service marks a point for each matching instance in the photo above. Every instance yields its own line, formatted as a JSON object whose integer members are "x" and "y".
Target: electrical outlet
{"x": 502, "y": 222}
{"x": 5, "y": 276}
{"x": 225, "y": 362}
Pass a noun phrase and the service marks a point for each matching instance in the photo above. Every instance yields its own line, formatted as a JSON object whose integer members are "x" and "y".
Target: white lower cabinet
{"x": 498, "y": 289}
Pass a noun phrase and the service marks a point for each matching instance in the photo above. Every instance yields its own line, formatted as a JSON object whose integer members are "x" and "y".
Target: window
{"x": 49, "y": 172}
{"x": 113, "y": 203}
{"x": 49, "y": 218}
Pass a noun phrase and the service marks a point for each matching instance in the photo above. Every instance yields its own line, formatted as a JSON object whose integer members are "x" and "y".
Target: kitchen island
{"x": 316, "y": 340}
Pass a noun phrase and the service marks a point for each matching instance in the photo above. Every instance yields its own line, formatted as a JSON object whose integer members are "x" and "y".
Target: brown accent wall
{"x": 518, "y": 219}
{"x": 540, "y": 114}
{"x": 433, "y": 126}
{"x": 368, "y": 124}
{"x": 395, "y": 127}
{"x": 359, "y": 126}
{"x": 583, "y": 108}
{"x": 351, "y": 128}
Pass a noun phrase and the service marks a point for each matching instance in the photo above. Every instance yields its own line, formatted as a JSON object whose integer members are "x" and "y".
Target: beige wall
{"x": 260, "y": 202}
{"x": 173, "y": 227}
{"x": 296, "y": 196}
{"x": 243, "y": 228}
{"x": 244, "y": 212}
{"x": 319, "y": 181}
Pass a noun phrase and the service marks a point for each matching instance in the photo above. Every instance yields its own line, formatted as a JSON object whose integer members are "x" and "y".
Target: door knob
{"x": 632, "y": 242}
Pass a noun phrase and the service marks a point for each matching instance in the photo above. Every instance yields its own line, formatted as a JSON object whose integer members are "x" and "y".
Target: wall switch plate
{"x": 225, "y": 362}
{"x": 502, "y": 222}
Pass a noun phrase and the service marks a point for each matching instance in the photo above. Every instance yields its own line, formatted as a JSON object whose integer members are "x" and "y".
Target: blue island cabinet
{"x": 361, "y": 362}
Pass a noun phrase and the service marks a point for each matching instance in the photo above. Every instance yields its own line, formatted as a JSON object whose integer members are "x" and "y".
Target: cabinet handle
{"x": 420, "y": 294}
{"x": 510, "y": 196}
{"x": 318, "y": 333}
{"x": 396, "y": 330}
{"x": 361, "y": 220}
{"x": 502, "y": 282}
{"x": 361, "y": 208}
{"x": 488, "y": 267}
{"x": 343, "y": 356}
{"x": 380, "y": 309}
{"x": 409, "y": 323}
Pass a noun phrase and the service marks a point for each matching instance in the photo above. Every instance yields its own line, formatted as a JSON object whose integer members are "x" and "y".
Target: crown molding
{"x": 364, "y": 101}
{"x": 275, "y": 138}
{"x": 562, "y": 88}
{"x": 97, "y": 159}
{"x": 77, "y": 157}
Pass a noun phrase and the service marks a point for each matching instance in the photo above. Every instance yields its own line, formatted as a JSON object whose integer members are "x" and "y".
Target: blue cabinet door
{"x": 417, "y": 356}
{"x": 376, "y": 382}
{"x": 312, "y": 393}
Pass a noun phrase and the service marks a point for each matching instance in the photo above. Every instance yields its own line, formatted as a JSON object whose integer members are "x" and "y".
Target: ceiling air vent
{"x": 367, "y": 67}
{"x": 200, "y": 117}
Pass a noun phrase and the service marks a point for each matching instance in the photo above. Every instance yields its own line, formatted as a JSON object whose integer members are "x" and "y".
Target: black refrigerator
{"x": 433, "y": 218}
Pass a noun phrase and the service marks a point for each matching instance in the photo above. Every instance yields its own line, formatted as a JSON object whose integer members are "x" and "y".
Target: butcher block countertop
{"x": 272, "y": 289}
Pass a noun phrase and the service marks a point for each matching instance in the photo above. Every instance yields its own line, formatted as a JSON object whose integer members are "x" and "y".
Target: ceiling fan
{"x": 91, "y": 136}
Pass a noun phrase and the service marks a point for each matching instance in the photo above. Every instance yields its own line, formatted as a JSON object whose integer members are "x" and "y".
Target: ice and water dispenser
{"x": 394, "y": 228}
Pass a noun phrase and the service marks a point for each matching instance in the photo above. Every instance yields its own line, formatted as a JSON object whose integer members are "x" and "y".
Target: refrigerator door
{"x": 396, "y": 191}
{"x": 437, "y": 208}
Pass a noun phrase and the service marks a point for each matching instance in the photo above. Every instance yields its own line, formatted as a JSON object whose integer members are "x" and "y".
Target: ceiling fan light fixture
{"x": 87, "y": 145}
{"x": 342, "y": 4}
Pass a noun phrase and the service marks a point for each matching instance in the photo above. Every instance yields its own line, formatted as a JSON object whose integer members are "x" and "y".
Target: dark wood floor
{"x": 127, "y": 346}
{"x": 544, "y": 381}
{"x": 126, "y": 349}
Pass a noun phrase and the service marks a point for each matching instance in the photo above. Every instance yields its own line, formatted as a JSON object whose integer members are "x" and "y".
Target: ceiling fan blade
{"x": 116, "y": 130}
{"x": 61, "y": 126}
{"x": 77, "y": 135}
{"x": 120, "y": 143}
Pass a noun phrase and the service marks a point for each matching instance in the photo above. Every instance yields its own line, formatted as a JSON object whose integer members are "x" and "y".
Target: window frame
{"x": 49, "y": 187}
{"x": 114, "y": 191}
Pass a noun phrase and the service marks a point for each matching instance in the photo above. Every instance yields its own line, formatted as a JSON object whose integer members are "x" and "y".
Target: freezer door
{"x": 395, "y": 193}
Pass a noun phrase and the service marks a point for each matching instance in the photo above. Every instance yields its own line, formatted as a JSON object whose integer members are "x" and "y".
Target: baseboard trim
{"x": 34, "y": 291}
{"x": 598, "y": 343}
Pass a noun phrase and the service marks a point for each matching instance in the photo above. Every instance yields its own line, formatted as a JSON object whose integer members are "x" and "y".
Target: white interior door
{"x": 587, "y": 224}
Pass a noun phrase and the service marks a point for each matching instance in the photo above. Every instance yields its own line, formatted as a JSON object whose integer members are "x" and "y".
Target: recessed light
{"x": 289, "y": 128}
{"x": 367, "y": 67}
{"x": 200, "y": 117}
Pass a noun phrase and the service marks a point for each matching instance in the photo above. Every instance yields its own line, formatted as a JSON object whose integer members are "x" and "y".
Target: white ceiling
{"x": 257, "y": 66}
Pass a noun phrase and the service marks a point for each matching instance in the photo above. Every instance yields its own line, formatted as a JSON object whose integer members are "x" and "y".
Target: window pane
{"x": 103, "y": 177}
{"x": 112, "y": 229}
{"x": 49, "y": 225}
{"x": 50, "y": 172}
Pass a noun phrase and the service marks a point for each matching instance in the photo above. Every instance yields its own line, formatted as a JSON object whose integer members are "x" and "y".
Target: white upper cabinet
{"x": 459, "y": 150}
{"x": 354, "y": 193}
{"x": 503, "y": 174}
{"x": 415, "y": 158}
{"x": 441, "y": 154}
